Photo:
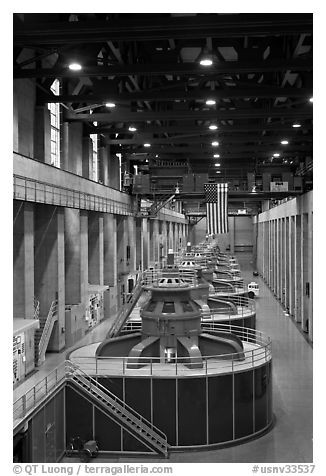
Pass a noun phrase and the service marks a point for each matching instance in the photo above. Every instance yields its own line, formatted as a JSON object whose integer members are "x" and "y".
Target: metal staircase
{"x": 159, "y": 201}
{"x": 43, "y": 334}
{"x": 126, "y": 310}
{"x": 138, "y": 426}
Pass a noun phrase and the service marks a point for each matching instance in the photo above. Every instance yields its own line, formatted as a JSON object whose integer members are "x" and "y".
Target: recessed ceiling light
{"x": 217, "y": 165}
{"x": 296, "y": 125}
{"x": 216, "y": 156}
{"x": 147, "y": 144}
{"x": 146, "y": 160}
{"x": 311, "y": 100}
{"x": 132, "y": 128}
{"x": 210, "y": 102}
{"x": 75, "y": 67}
{"x": 218, "y": 171}
{"x": 276, "y": 155}
{"x": 110, "y": 104}
{"x": 284, "y": 142}
{"x": 95, "y": 123}
{"x": 215, "y": 143}
{"x": 213, "y": 127}
{"x": 206, "y": 61}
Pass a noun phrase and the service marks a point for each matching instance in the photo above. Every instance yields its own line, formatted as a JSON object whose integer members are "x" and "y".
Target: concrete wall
{"x": 284, "y": 256}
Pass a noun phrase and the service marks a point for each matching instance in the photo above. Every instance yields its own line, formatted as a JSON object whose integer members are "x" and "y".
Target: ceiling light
{"x": 296, "y": 125}
{"x": 110, "y": 104}
{"x": 284, "y": 142}
{"x": 210, "y": 102}
{"x": 217, "y": 165}
{"x": 75, "y": 67}
{"x": 132, "y": 128}
{"x": 311, "y": 100}
{"x": 212, "y": 127}
{"x": 276, "y": 155}
{"x": 146, "y": 160}
{"x": 215, "y": 143}
{"x": 218, "y": 171}
{"x": 206, "y": 61}
{"x": 147, "y": 144}
{"x": 216, "y": 156}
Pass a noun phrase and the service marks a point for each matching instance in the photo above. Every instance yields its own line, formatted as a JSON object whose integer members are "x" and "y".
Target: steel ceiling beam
{"x": 199, "y": 129}
{"x": 231, "y": 92}
{"x": 220, "y": 150}
{"x": 228, "y": 67}
{"x": 156, "y": 28}
{"x": 126, "y": 116}
{"x": 273, "y": 140}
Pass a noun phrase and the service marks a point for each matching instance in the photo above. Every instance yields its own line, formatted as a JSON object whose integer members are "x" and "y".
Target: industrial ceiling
{"x": 258, "y": 85}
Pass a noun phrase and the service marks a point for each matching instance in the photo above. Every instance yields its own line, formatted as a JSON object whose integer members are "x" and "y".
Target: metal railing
{"x": 127, "y": 416}
{"x": 33, "y": 190}
{"x": 152, "y": 277}
{"x": 33, "y": 397}
{"x": 127, "y": 308}
{"x": 257, "y": 351}
{"x": 44, "y": 340}
{"x": 36, "y": 308}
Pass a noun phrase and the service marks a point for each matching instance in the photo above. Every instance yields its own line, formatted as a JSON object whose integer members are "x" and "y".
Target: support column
{"x": 292, "y": 239}
{"x": 144, "y": 243}
{"x": 84, "y": 256}
{"x": 72, "y": 256}
{"x": 87, "y": 158}
{"x": 49, "y": 279}
{"x": 132, "y": 242}
{"x": 95, "y": 248}
{"x": 304, "y": 273}
{"x": 231, "y": 233}
{"x": 156, "y": 241}
{"x": 23, "y": 248}
{"x": 110, "y": 270}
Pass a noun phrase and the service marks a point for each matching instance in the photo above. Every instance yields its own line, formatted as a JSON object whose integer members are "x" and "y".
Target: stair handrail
{"x": 36, "y": 308}
{"x": 73, "y": 370}
{"x": 50, "y": 317}
{"x": 126, "y": 308}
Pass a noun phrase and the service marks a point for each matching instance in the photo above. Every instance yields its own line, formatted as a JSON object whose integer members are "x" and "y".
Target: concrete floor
{"x": 290, "y": 441}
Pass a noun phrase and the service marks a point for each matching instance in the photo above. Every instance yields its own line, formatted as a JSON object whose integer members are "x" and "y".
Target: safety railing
{"x": 257, "y": 351}
{"x": 33, "y": 190}
{"x": 152, "y": 277}
{"x": 244, "y": 306}
{"x": 127, "y": 416}
{"x": 44, "y": 340}
{"x": 33, "y": 397}
{"x": 127, "y": 308}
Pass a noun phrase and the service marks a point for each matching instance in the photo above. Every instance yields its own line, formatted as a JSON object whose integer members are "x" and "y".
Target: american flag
{"x": 216, "y": 207}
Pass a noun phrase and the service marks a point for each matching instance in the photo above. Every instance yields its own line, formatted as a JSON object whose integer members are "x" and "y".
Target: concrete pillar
{"x": 110, "y": 250}
{"x": 84, "y": 255}
{"x": 42, "y": 134}
{"x": 164, "y": 247}
{"x": 231, "y": 232}
{"x": 132, "y": 242}
{"x": 49, "y": 280}
{"x": 72, "y": 256}
{"x": 156, "y": 241}
{"x": 23, "y": 248}
{"x": 310, "y": 274}
{"x": 72, "y": 147}
{"x": 304, "y": 272}
{"x": 103, "y": 170}
{"x": 287, "y": 262}
{"x": 114, "y": 171}
{"x": 138, "y": 245}
{"x": 144, "y": 244}
{"x": 87, "y": 158}
{"x": 292, "y": 270}
{"x": 95, "y": 248}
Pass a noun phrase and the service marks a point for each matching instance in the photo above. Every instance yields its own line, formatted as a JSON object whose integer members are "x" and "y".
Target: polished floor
{"x": 290, "y": 441}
